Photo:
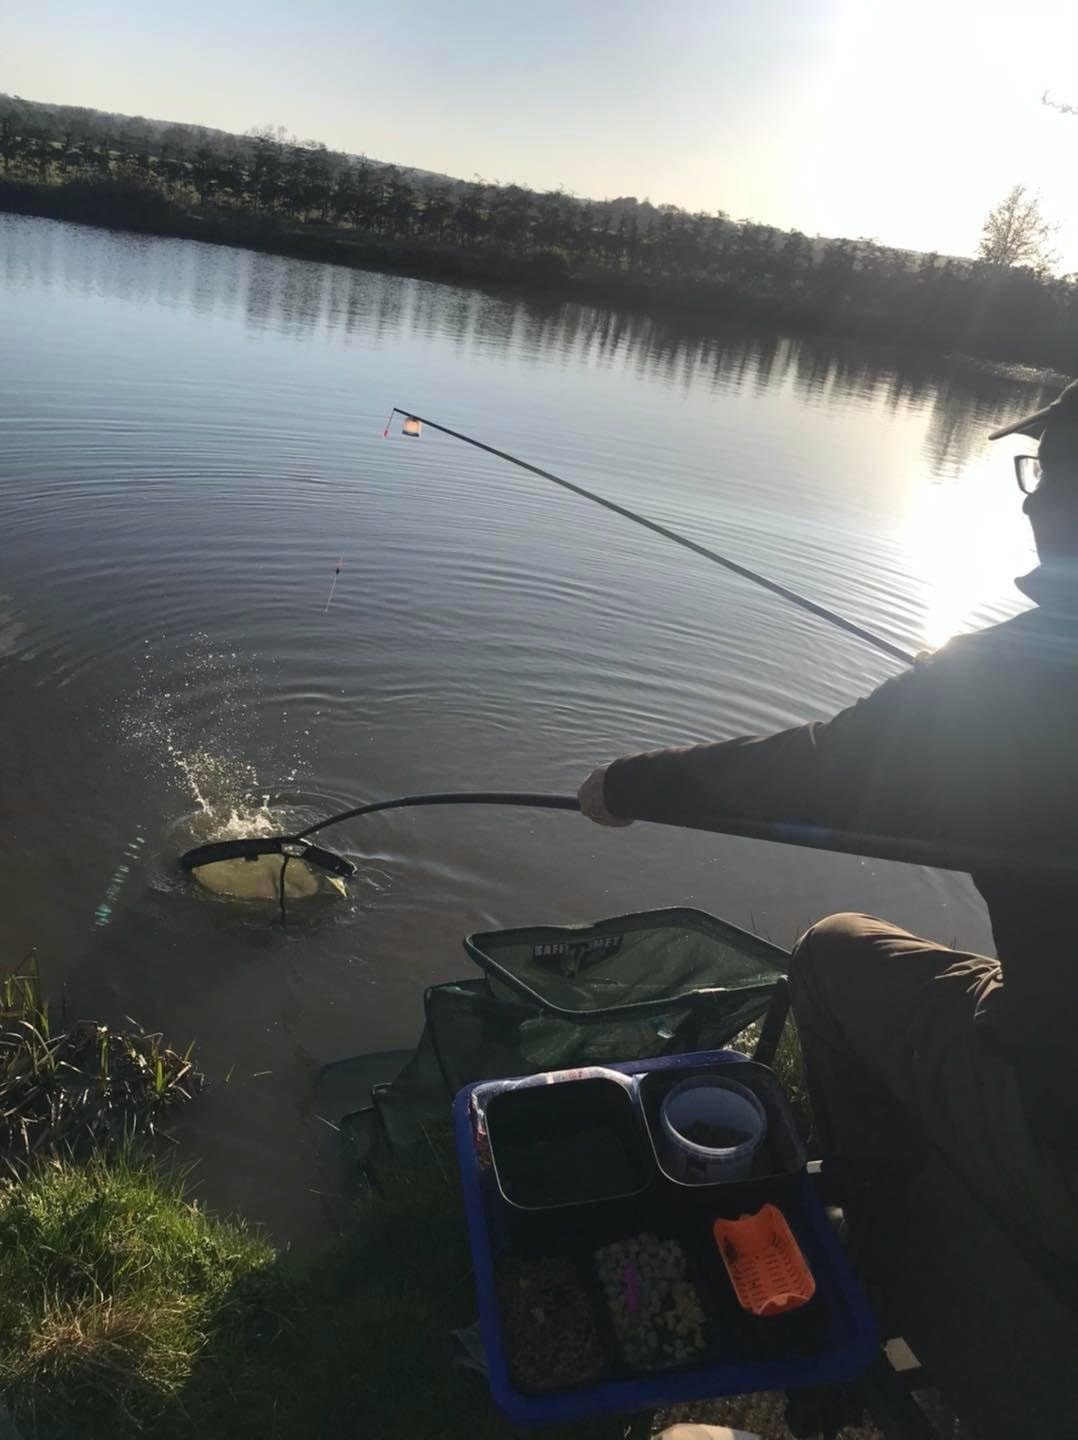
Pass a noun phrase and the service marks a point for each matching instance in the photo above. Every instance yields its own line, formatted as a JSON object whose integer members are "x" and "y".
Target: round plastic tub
{"x": 711, "y": 1128}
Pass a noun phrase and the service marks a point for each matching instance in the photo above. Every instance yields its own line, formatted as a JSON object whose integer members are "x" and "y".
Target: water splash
{"x": 213, "y": 781}
{"x": 194, "y": 731}
{"x": 200, "y": 733}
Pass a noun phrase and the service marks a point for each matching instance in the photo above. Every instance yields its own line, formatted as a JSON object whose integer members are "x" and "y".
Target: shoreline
{"x": 710, "y": 305}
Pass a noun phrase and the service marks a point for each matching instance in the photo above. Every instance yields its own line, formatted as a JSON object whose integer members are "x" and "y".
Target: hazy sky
{"x": 901, "y": 121}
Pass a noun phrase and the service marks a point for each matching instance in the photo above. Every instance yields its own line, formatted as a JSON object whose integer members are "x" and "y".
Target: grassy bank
{"x": 125, "y": 1310}
{"x": 942, "y": 306}
{"x": 111, "y": 1284}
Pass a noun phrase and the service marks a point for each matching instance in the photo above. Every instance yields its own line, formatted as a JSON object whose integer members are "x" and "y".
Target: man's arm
{"x": 873, "y": 767}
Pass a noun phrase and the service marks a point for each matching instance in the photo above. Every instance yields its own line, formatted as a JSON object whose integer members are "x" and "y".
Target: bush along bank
{"x": 756, "y": 276}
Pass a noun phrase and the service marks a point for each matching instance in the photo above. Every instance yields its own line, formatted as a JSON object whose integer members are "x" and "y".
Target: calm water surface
{"x": 191, "y": 437}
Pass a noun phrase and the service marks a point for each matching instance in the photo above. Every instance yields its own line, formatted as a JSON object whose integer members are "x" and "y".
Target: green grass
{"x": 789, "y": 1066}
{"x": 111, "y": 1284}
{"x": 127, "y": 1310}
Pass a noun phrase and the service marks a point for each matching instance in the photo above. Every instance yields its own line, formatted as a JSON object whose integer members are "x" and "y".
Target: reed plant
{"x": 72, "y": 1089}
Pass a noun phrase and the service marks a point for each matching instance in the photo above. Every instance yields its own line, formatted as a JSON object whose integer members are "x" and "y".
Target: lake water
{"x": 192, "y": 436}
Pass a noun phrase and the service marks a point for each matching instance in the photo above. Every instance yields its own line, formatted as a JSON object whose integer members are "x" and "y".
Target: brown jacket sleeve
{"x": 873, "y": 766}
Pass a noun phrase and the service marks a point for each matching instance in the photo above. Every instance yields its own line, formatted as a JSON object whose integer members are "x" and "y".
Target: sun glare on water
{"x": 967, "y": 541}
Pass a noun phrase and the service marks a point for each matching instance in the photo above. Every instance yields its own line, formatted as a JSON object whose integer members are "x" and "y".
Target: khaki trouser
{"x": 896, "y": 1063}
{"x": 907, "y": 1090}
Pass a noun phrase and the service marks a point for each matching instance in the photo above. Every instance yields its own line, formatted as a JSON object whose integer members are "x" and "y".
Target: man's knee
{"x": 827, "y": 965}
{"x": 831, "y": 941}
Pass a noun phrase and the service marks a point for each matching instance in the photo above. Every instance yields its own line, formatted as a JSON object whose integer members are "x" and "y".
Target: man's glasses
{"x": 1028, "y": 470}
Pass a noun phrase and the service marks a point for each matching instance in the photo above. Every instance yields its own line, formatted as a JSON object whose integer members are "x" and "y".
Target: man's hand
{"x": 593, "y": 801}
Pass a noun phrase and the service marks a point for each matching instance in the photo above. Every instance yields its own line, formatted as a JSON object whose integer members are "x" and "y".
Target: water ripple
{"x": 190, "y": 440}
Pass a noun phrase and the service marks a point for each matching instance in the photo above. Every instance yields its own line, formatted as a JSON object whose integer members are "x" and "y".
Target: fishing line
{"x": 333, "y": 587}
{"x": 812, "y": 607}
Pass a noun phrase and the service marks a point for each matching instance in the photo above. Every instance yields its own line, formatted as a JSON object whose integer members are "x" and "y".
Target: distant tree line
{"x": 267, "y": 186}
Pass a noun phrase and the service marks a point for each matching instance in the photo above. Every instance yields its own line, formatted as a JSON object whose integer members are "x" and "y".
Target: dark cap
{"x": 1065, "y": 407}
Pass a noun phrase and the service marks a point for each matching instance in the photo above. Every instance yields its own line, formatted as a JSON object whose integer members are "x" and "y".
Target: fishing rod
{"x": 412, "y": 422}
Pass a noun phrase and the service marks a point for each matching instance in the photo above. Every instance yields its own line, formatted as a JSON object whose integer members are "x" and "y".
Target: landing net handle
{"x": 299, "y": 847}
